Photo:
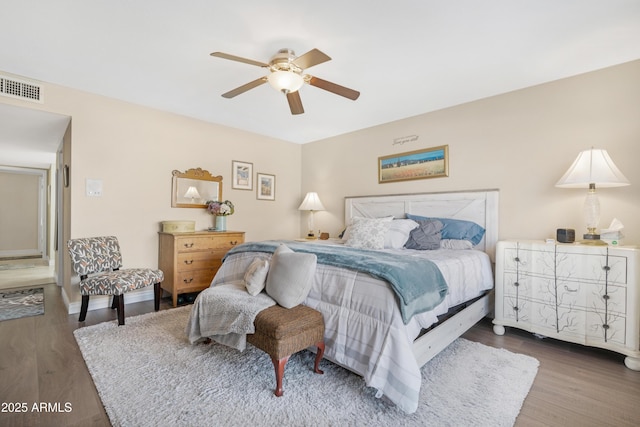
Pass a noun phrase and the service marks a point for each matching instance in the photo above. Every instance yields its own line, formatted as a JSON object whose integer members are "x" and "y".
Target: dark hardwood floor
{"x": 40, "y": 363}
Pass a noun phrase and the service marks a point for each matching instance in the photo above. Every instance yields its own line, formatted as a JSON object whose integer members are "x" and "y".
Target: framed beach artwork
{"x": 420, "y": 164}
{"x": 241, "y": 175}
{"x": 266, "y": 187}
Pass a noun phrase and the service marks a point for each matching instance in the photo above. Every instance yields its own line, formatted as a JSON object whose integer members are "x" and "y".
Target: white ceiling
{"x": 405, "y": 57}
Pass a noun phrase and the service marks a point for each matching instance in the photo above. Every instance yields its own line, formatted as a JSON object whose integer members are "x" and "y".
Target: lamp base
{"x": 592, "y": 239}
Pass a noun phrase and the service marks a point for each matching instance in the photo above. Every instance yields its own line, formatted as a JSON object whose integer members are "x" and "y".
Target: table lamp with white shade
{"x": 311, "y": 203}
{"x": 592, "y": 168}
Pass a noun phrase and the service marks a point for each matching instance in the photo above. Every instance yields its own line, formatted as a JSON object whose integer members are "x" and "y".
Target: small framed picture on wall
{"x": 241, "y": 175}
{"x": 266, "y": 188}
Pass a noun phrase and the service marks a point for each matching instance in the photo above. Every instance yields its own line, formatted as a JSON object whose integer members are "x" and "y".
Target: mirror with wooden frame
{"x": 195, "y": 187}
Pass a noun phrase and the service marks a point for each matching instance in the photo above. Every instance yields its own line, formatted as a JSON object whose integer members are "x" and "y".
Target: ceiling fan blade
{"x": 311, "y": 58}
{"x": 239, "y": 59}
{"x": 334, "y": 88}
{"x": 242, "y": 89}
{"x": 295, "y": 103}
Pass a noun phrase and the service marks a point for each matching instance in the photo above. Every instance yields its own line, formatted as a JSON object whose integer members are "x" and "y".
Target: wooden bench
{"x": 281, "y": 332}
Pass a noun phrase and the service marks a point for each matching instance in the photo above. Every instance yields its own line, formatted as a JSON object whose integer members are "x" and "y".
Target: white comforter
{"x": 364, "y": 331}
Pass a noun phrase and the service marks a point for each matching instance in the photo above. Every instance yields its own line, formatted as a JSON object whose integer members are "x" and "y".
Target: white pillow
{"x": 368, "y": 233}
{"x": 455, "y": 244}
{"x": 398, "y": 233}
{"x": 290, "y": 276}
{"x": 256, "y": 276}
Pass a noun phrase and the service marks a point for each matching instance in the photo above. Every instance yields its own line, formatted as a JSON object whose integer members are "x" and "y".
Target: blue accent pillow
{"x": 456, "y": 228}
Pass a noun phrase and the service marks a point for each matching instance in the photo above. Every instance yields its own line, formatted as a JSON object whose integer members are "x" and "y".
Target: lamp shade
{"x": 593, "y": 166}
{"x": 311, "y": 202}
{"x": 192, "y": 193}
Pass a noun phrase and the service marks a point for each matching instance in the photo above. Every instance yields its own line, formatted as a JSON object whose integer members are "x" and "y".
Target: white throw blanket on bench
{"x": 225, "y": 313}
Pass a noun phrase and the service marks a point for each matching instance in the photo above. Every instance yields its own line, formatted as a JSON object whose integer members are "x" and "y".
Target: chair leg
{"x": 114, "y": 302}
{"x": 278, "y": 364}
{"x": 319, "y": 354}
{"x": 157, "y": 293}
{"x": 120, "y": 309}
{"x": 83, "y": 308}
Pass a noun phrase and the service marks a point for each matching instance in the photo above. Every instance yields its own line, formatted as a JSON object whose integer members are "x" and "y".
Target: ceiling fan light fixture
{"x": 285, "y": 81}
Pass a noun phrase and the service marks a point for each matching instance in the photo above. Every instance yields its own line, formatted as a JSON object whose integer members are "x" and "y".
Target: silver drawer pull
{"x": 188, "y": 245}
{"x": 188, "y": 280}
{"x": 566, "y": 288}
{"x": 188, "y": 261}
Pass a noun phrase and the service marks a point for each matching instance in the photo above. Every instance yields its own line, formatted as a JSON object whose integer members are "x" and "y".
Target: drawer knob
{"x": 605, "y": 296}
{"x": 606, "y": 268}
{"x": 516, "y": 284}
{"x": 605, "y": 326}
{"x": 188, "y": 280}
{"x": 188, "y": 245}
{"x": 516, "y": 308}
{"x": 188, "y": 261}
{"x": 516, "y": 259}
{"x": 235, "y": 242}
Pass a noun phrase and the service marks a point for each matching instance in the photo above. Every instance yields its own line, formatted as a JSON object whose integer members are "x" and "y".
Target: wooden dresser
{"x": 190, "y": 260}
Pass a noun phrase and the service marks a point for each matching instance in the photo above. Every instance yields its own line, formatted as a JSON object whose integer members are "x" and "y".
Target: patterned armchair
{"x": 97, "y": 260}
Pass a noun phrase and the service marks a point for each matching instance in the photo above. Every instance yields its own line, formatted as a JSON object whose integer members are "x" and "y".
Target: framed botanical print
{"x": 241, "y": 175}
{"x": 266, "y": 188}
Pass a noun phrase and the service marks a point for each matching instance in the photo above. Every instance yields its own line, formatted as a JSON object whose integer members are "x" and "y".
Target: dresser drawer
{"x": 199, "y": 279}
{"x": 224, "y": 243}
{"x": 188, "y": 261}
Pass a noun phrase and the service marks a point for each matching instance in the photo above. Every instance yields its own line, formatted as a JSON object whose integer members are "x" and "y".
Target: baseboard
{"x": 97, "y": 302}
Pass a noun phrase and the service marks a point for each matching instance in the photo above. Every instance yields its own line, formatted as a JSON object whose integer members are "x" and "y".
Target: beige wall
{"x": 520, "y": 142}
{"x": 134, "y": 149}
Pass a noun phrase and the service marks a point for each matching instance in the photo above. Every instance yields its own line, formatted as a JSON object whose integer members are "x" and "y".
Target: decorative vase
{"x": 221, "y": 223}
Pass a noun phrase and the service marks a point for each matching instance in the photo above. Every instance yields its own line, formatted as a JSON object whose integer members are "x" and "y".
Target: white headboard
{"x": 479, "y": 206}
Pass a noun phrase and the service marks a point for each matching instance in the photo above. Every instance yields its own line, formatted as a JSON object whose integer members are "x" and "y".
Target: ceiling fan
{"x": 286, "y": 74}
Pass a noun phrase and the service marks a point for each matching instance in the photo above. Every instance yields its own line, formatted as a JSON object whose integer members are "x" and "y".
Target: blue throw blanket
{"x": 417, "y": 282}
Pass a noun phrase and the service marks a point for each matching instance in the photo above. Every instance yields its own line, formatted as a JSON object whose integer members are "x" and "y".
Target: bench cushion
{"x": 277, "y": 322}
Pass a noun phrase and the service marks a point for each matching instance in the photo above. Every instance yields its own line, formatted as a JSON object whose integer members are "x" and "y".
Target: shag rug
{"x": 147, "y": 374}
{"x": 22, "y": 303}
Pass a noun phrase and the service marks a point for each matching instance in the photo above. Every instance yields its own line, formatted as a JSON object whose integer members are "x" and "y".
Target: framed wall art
{"x": 420, "y": 164}
{"x": 241, "y": 175}
{"x": 266, "y": 188}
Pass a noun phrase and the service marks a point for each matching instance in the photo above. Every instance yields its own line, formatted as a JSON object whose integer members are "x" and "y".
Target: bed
{"x": 365, "y": 330}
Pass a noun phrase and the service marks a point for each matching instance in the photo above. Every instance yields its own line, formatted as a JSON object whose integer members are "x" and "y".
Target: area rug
{"x": 147, "y": 374}
{"x": 21, "y": 303}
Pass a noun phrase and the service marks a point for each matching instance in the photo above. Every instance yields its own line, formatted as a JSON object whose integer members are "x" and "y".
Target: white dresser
{"x": 579, "y": 293}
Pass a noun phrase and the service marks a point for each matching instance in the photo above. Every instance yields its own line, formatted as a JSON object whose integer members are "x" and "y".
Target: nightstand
{"x": 583, "y": 294}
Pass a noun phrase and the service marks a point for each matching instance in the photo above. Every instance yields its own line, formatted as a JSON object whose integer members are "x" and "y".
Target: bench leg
{"x": 319, "y": 354}
{"x": 279, "y": 364}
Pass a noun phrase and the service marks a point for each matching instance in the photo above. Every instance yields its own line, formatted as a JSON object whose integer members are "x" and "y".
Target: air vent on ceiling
{"x": 20, "y": 89}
